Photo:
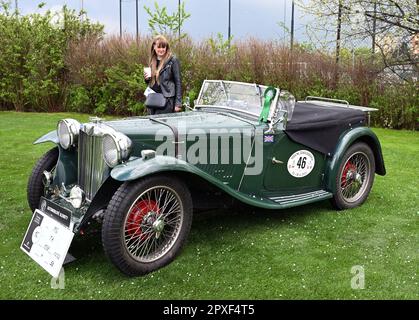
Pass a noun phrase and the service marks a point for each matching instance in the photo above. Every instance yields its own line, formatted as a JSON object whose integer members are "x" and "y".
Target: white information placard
{"x": 47, "y": 241}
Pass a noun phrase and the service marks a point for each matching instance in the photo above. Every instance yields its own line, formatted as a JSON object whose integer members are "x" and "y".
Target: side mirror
{"x": 279, "y": 122}
{"x": 187, "y": 103}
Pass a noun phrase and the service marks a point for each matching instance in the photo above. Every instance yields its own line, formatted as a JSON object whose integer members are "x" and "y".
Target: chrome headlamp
{"x": 68, "y": 132}
{"x": 77, "y": 197}
{"x": 116, "y": 148}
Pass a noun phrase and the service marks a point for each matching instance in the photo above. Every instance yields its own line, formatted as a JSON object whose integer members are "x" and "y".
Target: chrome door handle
{"x": 274, "y": 161}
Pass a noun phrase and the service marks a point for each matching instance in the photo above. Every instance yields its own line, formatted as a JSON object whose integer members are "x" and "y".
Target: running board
{"x": 302, "y": 198}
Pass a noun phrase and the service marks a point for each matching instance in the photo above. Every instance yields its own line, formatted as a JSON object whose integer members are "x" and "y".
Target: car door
{"x": 291, "y": 167}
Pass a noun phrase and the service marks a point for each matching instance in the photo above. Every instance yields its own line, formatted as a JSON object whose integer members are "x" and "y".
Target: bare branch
{"x": 395, "y": 23}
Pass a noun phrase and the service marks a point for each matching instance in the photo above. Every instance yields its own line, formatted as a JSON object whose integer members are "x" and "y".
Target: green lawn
{"x": 301, "y": 253}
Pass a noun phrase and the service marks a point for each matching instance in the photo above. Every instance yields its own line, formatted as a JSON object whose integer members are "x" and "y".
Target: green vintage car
{"x": 143, "y": 177}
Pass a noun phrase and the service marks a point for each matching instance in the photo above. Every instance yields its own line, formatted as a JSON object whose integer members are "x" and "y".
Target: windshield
{"x": 246, "y": 97}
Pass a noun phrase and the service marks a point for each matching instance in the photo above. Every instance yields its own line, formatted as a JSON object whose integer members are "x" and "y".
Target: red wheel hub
{"x": 349, "y": 166}
{"x": 137, "y": 214}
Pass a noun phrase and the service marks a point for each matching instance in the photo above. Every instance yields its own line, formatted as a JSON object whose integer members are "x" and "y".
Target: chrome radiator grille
{"x": 92, "y": 169}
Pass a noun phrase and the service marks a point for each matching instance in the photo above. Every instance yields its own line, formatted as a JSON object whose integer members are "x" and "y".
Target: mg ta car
{"x": 143, "y": 177}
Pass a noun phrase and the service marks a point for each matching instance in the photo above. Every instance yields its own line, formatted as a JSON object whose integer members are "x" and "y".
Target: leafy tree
{"x": 160, "y": 22}
{"x": 221, "y": 46}
{"x": 32, "y": 56}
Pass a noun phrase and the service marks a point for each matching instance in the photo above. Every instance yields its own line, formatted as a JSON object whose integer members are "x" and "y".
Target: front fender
{"x": 138, "y": 168}
{"x": 360, "y": 134}
{"x": 49, "y": 137}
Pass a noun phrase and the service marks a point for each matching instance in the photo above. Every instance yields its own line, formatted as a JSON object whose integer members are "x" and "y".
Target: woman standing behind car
{"x": 163, "y": 76}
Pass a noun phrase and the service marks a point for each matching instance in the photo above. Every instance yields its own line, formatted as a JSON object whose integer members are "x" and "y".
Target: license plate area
{"x": 56, "y": 212}
{"x": 47, "y": 241}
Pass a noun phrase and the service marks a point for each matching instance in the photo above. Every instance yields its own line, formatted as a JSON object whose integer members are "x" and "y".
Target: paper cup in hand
{"x": 147, "y": 72}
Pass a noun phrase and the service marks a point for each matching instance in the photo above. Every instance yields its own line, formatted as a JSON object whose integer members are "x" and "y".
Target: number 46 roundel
{"x": 301, "y": 163}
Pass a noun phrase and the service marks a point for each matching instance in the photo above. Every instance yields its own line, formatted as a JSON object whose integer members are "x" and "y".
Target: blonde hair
{"x": 155, "y": 72}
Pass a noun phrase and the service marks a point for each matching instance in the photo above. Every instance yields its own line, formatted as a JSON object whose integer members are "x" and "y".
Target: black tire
{"x": 35, "y": 189}
{"x": 133, "y": 217}
{"x": 355, "y": 177}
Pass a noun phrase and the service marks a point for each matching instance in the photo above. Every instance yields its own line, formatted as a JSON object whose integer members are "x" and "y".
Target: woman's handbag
{"x": 155, "y": 101}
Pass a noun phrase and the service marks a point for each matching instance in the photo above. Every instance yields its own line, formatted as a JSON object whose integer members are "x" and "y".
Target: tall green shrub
{"x": 32, "y": 52}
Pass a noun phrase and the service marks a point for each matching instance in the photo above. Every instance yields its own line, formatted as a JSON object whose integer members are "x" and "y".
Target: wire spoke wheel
{"x": 355, "y": 178}
{"x": 147, "y": 223}
{"x": 152, "y": 224}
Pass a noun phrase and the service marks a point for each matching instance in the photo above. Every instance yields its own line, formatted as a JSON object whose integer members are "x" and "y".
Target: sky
{"x": 249, "y": 18}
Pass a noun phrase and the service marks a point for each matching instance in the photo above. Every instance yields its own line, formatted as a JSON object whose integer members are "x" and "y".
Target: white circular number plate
{"x": 300, "y": 163}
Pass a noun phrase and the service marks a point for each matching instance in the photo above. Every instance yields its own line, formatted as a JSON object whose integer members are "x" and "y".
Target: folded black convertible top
{"x": 319, "y": 127}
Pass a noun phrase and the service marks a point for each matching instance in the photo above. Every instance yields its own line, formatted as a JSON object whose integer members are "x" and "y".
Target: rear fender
{"x": 360, "y": 134}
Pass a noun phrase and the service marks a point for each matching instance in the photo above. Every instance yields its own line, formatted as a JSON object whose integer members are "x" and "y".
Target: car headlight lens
{"x": 77, "y": 197}
{"x": 116, "y": 147}
{"x": 68, "y": 132}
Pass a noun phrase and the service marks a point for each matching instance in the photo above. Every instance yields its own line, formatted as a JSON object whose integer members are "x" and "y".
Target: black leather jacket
{"x": 170, "y": 82}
